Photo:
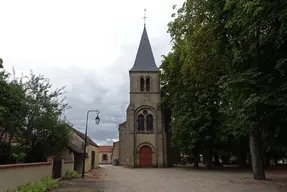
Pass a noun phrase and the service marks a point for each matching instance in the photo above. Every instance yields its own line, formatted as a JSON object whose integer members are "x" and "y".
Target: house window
{"x": 149, "y": 123}
{"x": 105, "y": 157}
{"x": 142, "y": 84}
{"x": 148, "y": 84}
{"x": 141, "y": 123}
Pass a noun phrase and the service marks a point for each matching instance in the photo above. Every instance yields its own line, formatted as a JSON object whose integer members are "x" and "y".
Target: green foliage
{"x": 225, "y": 77}
{"x": 256, "y": 85}
{"x": 70, "y": 174}
{"x": 30, "y": 115}
{"x": 190, "y": 75}
{"x": 43, "y": 185}
{"x": 18, "y": 157}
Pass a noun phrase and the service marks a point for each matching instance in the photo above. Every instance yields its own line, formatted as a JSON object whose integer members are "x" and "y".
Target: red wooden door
{"x": 145, "y": 157}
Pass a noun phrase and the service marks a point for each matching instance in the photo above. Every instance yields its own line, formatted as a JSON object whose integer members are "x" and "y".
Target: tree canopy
{"x": 225, "y": 78}
{"x": 30, "y": 123}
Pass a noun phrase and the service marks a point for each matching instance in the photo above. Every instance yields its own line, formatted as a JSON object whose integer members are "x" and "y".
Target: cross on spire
{"x": 144, "y": 16}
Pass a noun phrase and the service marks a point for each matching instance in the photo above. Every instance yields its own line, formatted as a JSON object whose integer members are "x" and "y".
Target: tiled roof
{"x": 106, "y": 149}
{"x": 82, "y": 135}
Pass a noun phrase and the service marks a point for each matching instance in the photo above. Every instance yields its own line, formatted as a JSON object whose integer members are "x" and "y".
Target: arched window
{"x": 142, "y": 84}
{"x": 149, "y": 122}
{"x": 141, "y": 123}
{"x": 147, "y": 84}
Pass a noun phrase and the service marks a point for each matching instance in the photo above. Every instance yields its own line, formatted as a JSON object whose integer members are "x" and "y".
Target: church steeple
{"x": 144, "y": 59}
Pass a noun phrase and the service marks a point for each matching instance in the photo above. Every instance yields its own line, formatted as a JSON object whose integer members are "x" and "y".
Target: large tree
{"x": 256, "y": 83}
{"x": 191, "y": 72}
{"x": 225, "y": 77}
{"x": 30, "y": 117}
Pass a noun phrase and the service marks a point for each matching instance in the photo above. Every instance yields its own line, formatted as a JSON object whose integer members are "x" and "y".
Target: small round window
{"x": 144, "y": 112}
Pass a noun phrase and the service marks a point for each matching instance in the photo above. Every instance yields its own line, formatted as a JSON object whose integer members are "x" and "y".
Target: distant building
{"x": 106, "y": 154}
{"x": 116, "y": 152}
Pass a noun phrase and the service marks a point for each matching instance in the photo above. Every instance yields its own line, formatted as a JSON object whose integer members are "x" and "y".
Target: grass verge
{"x": 43, "y": 185}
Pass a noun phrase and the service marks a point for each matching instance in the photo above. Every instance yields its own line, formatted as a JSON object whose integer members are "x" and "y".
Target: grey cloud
{"x": 62, "y": 54}
{"x": 87, "y": 90}
{"x": 101, "y": 132}
{"x": 111, "y": 101}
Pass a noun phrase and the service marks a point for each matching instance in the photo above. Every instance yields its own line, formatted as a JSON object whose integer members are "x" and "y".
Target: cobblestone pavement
{"x": 119, "y": 179}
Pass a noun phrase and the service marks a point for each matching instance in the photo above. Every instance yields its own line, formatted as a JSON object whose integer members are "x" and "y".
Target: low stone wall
{"x": 13, "y": 175}
{"x": 67, "y": 166}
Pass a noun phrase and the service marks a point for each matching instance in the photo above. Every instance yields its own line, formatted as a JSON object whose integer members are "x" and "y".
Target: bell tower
{"x": 144, "y": 115}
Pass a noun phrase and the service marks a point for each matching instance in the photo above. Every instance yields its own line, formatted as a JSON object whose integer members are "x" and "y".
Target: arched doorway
{"x": 145, "y": 156}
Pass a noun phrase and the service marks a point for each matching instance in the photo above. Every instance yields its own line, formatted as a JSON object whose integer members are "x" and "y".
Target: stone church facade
{"x": 143, "y": 137}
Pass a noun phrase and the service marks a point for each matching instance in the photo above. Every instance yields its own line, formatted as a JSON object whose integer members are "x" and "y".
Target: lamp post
{"x": 97, "y": 119}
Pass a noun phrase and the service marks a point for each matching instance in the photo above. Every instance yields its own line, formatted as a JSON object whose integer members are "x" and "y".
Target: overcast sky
{"x": 88, "y": 46}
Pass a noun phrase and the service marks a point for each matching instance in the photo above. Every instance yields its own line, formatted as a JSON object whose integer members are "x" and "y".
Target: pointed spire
{"x": 144, "y": 58}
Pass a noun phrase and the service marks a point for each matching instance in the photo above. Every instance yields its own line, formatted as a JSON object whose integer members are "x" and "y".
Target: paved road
{"x": 119, "y": 179}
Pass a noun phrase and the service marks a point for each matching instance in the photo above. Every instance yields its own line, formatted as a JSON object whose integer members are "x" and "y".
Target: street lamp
{"x": 97, "y": 119}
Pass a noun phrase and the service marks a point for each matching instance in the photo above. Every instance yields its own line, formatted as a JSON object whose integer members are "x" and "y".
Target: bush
{"x": 71, "y": 174}
{"x": 18, "y": 157}
{"x": 43, "y": 185}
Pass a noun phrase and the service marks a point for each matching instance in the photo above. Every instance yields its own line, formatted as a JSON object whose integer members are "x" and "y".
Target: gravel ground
{"x": 118, "y": 179}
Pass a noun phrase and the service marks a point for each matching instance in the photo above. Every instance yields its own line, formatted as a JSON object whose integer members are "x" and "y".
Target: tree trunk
{"x": 257, "y": 156}
{"x": 208, "y": 159}
{"x": 196, "y": 160}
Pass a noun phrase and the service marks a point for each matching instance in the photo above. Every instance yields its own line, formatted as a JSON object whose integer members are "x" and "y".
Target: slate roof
{"x": 144, "y": 61}
{"x": 82, "y": 135}
{"x": 75, "y": 148}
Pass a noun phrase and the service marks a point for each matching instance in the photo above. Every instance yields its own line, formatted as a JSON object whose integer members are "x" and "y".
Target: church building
{"x": 143, "y": 139}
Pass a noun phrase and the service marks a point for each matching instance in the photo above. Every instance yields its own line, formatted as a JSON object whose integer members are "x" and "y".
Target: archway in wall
{"x": 145, "y": 156}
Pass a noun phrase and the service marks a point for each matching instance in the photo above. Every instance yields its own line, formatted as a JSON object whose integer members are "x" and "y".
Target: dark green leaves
{"x": 226, "y": 74}
{"x": 30, "y": 115}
